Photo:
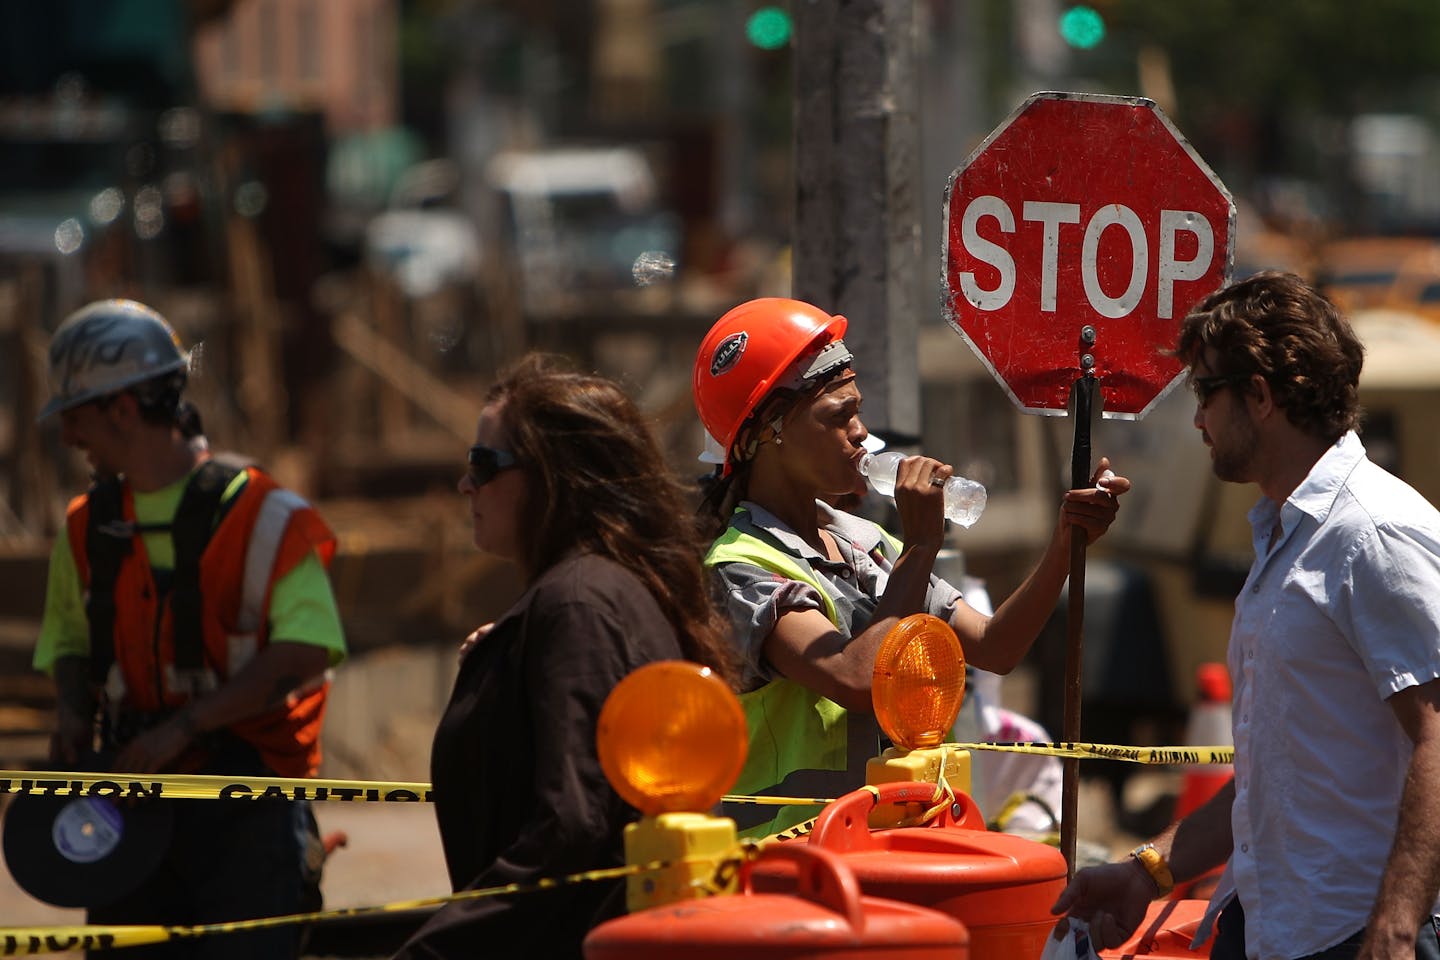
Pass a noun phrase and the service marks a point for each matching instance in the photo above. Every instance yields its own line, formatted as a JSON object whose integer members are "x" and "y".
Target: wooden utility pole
{"x": 857, "y": 191}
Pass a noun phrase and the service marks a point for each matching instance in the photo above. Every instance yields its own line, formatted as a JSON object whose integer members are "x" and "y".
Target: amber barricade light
{"x": 919, "y": 682}
{"x": 918, "y": 687}
{"x": 672, "y": 740}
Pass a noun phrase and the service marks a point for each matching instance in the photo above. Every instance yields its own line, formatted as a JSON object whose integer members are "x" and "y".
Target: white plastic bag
{"x": 1073, "y": 944}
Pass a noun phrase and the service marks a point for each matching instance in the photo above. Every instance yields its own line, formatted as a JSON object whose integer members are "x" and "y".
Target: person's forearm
{"x": 75, "y": 707}
{"x": 848, "y": 666}
{"x": 999, "y": 644}
{"x": 1011, "y": 631}
{"x": 1412, "y": 872}
{"x": 1113, "y": 897}
{"x": 264, "y": 683}
{"x": 1203, "y": 839}
{"x": 72, "y": 685}
{"x": 907, "y": 585}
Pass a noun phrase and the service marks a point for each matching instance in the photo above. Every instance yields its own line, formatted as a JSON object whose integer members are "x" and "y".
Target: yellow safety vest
{"x": 791, "y": 727}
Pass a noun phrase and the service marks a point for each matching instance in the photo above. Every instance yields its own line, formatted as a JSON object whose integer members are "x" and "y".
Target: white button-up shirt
{"x": 1342, "y": 612}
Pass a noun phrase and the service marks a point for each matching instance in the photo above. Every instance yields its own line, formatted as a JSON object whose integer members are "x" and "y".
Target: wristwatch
{"x": 1153, "y": 863}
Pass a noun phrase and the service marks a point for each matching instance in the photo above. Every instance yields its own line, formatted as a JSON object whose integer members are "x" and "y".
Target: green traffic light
{"x": 1082, "y": 27}
{"x": 768, "y": 28}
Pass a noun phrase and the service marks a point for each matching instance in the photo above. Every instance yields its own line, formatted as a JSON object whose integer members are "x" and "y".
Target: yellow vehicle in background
{"x": 1397, "y": 273}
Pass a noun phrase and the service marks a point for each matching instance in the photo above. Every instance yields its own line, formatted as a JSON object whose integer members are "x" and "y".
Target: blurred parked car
{"x": 581, "y": 224}
{"x": 422, "y": 239}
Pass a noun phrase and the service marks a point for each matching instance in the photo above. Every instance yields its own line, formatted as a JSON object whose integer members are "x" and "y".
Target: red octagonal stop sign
{"x": 1083, "y": 211}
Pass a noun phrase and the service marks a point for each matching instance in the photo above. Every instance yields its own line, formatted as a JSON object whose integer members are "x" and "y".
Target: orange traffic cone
{"x": 1209, "y": 726}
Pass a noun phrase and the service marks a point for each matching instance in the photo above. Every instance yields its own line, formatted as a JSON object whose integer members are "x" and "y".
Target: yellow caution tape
{"x": 50, "y": 783}
{"x": 27, "y": 942}
{"x": 45, "y": 783}
{"x": 1106, "y": 751}
{"x": 778, "y": 801}
{"x": 33, "y": 941}
{"x": 802, "y": 829}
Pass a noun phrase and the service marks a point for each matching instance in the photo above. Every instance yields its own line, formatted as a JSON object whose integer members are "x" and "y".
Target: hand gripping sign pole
{"x": 1090, "y": 219}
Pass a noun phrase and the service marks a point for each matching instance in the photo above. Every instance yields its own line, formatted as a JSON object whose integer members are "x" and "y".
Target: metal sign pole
{"x": 1082, "y": 394}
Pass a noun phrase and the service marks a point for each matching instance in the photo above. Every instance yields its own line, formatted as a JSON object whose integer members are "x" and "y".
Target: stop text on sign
{"x": 1053, "y": 219}
{"x": 1077, "y": 236}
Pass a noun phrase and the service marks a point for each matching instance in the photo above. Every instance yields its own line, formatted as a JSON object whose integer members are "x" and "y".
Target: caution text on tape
{"x": 206, "y": 787}
{"x": 1109, "y": 751}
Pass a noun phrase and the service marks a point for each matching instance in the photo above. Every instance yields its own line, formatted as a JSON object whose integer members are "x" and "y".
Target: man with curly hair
{"x": 1330, "y": 830}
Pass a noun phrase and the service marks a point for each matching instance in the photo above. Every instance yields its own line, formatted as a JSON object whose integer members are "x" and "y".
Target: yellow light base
{"x": 923, "y": 766}
{"x": 678, "y": 837}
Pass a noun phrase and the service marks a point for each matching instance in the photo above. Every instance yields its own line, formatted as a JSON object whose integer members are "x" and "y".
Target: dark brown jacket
{"x": 519, "y": 793}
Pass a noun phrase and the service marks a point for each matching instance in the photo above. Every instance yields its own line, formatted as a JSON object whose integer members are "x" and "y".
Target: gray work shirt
{"x": 757, "y": 597}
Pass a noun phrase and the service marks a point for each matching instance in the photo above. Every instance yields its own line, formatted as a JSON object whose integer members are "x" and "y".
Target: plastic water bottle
{"x": 964, "y": 499}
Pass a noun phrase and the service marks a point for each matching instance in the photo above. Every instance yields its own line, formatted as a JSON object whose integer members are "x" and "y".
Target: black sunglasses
{"x": 1206, "y": 387}
{"x": 486, "y": 462}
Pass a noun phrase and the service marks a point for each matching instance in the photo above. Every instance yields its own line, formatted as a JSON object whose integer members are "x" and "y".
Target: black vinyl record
{"x": 84, "y": 851}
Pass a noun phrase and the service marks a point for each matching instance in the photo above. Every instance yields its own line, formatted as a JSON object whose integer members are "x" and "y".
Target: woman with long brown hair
{"x": 566, "y": 481}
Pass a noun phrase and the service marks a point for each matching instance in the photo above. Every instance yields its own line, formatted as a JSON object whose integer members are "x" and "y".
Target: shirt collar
{"x": 857, "y": 530}
{"x": 853, "y": 529}
{"x": 1317, "y": 492}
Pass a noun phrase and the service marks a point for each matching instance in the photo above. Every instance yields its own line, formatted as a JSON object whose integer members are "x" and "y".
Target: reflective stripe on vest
{"x": 260, "y": 553}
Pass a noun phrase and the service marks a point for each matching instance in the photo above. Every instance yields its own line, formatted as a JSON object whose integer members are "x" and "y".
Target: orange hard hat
{"x": 747, "y": 354}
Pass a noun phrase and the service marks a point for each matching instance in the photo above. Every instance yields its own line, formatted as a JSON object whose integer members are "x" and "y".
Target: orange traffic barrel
{"x": 828, "y": 916}
{"x": 999, "y": 885}
{"x": 1166, "y": 932}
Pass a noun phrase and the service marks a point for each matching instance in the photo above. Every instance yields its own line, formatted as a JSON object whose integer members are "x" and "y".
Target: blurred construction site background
{"x": 358, "y": 210}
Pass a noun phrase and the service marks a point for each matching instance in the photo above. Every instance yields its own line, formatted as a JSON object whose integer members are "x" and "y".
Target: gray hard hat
{"x": 106, "y": 346}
